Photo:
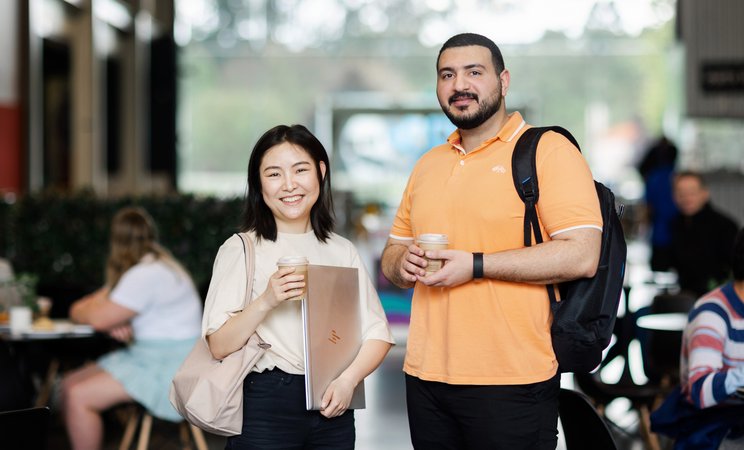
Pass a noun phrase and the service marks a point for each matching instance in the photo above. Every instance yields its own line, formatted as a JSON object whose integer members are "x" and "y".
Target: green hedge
{"x": 63, "y": 238}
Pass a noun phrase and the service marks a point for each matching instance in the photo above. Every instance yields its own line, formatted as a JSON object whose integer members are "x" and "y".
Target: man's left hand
{"x": 457, "y": 268}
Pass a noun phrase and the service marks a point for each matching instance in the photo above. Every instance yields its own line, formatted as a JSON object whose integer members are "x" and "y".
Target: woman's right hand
{"x": 122, "y": 333}
{"x": 283, "y": 285}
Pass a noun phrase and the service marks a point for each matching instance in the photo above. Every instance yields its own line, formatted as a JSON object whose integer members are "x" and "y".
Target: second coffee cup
{"x": 300, "y": 264}
{"x": 432, "y": 241}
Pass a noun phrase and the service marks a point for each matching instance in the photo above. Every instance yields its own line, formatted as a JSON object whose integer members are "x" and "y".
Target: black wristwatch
{"x": 477, "y": 265}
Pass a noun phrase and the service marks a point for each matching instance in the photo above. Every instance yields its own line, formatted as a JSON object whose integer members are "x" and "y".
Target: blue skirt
{"x": 146, "y": 369}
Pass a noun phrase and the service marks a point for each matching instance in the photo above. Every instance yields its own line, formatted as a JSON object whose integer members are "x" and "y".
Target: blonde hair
{"x": 134, "y": 235}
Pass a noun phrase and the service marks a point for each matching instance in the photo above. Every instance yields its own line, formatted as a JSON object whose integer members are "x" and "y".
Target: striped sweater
{"x": 712, "y": 361}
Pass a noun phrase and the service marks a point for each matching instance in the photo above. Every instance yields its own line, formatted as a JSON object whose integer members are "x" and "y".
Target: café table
{"x": 663, "y": 345}
{"x": 663, "y": 321}
{"x": 62, "y": 331}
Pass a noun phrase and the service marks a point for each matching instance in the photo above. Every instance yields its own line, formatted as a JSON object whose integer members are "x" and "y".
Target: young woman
{"x": 288, "y": 211}
{"x": 149, "y": 301}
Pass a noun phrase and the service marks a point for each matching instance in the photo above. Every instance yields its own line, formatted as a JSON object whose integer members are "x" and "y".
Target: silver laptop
{"x": 332, "y": 330}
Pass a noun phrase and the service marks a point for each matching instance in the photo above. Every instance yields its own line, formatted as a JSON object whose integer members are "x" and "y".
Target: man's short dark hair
{"x": 691, "y": 174}
{"x": 738, "y": 257}
{"x": 467, "y": 39}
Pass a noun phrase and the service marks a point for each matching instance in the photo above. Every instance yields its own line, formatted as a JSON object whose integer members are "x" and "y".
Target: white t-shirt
{"x": 282, "y": 327}
{"x": 166, "y": 302}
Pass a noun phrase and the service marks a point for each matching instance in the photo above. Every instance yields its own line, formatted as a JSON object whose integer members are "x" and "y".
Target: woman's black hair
{"x": 257, "y": 216}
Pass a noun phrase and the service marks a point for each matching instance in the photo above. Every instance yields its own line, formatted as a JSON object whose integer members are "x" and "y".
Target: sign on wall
{"x": 713, "y": 35}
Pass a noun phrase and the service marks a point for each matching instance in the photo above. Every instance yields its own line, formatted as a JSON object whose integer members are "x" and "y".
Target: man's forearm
{"x": 553, "y": 261}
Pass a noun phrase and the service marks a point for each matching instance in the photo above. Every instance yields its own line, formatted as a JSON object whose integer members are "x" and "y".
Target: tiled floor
{"x": 384, "y": 423}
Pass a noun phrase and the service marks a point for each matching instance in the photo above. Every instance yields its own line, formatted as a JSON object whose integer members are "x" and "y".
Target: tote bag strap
{"x": 250, "y": 270}
{"x": 250, "y": 266}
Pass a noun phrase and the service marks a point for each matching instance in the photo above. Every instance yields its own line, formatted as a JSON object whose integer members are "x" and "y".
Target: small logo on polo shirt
{"x": 498, "y": 169}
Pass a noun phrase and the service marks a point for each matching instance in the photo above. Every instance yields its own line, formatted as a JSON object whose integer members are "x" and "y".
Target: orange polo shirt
{"x": 488, "y": 332}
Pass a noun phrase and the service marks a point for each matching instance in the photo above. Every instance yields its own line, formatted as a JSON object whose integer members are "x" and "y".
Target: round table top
{"x": 60, "y": 329}
{"x": 663, "y": 322}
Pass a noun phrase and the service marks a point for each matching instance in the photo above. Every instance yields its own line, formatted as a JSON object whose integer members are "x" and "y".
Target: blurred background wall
{"x": 143, "y": 97}
{"x": 10, "y": 111}
{"x": 157, "y": 96}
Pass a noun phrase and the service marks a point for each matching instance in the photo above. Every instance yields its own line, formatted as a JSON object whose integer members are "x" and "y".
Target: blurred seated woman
{"x": 149, "y": 301}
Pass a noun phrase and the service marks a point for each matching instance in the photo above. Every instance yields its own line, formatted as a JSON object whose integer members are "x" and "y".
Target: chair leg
{"x": 48, "y": 384}
{"x": 189, "y": 433}
{"x": 144, "y": 436}
{"x": 131, "y": 427}
{"x": 652, "y": 441}
{"x": 199, "y": 441}
{"x": 146, "y": 430}
{"x": 183, "y": 435}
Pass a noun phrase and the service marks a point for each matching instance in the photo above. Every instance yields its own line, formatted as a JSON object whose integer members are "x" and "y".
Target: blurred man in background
{"x": 702, "y": 237}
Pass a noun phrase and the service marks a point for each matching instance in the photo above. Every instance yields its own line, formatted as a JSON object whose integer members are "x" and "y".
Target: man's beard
{"x": 486, "y": 109}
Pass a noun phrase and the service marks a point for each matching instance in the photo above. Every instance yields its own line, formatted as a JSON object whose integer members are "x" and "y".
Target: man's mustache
{"x": 460, "y": 95}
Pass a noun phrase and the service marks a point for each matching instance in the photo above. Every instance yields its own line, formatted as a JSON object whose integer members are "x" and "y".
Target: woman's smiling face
{"x": 290, "y": 187}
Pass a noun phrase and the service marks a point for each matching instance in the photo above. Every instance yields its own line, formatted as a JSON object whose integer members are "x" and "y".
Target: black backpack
{"x": 583, "y": 320}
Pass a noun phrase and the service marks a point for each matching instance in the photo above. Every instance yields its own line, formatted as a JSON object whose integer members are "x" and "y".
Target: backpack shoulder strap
{"x": 524, "y": 174}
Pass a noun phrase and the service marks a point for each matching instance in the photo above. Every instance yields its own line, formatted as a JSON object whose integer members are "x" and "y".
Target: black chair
{"x": 139, "y": 417}
{"x": 25, "y": 429}
{"x": 583, "y": 427}
{"x": 660, "y": 351}
{"x": 16, "y": 388}
{"x": 642, "y": 397}
{"x": 661, "y": 348}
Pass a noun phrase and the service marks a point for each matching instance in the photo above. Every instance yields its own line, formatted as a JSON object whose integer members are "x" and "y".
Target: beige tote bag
{"x": 208, "y": 392}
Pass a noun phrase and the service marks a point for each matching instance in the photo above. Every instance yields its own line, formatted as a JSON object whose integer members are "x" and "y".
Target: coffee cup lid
{"x": 292, "y": 261}
{"x": 433, "y": 238}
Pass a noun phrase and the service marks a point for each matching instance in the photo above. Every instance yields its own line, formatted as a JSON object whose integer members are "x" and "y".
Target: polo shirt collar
{"x": 508, "y": 132}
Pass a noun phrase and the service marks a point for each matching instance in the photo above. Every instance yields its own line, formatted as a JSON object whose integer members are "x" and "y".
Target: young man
{"x": 480, "y": 368}
{"x": 701, "y": 237}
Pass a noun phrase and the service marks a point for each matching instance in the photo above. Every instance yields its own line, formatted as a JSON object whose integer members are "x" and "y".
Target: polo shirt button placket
{"x": 462, "y": 162}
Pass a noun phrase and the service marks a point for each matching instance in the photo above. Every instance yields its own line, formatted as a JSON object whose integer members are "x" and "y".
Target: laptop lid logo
{"x": 334, "y": 338}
